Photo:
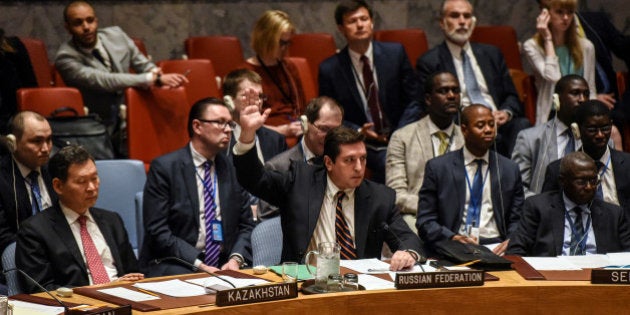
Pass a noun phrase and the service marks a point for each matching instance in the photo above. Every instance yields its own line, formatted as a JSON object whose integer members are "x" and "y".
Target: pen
{"x": 84, "y": 307}
{"x": 378, "y": 270}
{"x": 147, "y": 292}
{"x": 186, "y": 73}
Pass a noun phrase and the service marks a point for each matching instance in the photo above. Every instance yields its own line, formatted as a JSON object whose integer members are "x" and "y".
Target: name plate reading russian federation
{"x": 441, "y": 279}
{"x": 255, "y": 294}
{"x": 610, "y": 276}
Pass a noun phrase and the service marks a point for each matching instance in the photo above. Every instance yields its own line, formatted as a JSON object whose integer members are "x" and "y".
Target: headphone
{"x": 555, "y": 102}
{"x": 229, "y": 102}
{"x": 10, "y": 142}
{"x": 304, "y": 123}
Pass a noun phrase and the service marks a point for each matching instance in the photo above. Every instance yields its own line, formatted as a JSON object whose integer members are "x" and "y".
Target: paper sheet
{"x": 588, "y": 261}
{"x": 238, "y": 282}
{"x": 619, "y": 259}
{"x": 373, "y": 283}
{"x": 550, "y": 263}
{"x": 371, "y": 265}
{"x": 174, "y": 288}
{"x": 128, "y": 294}
{"x": 27, "y": 308}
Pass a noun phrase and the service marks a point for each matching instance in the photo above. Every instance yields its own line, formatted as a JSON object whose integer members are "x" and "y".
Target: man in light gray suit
{"x": 538, "y": 146}
{"x": 321, "y": 115}
{"x": 97, "y": 62}
{"x": 412, "y": 146}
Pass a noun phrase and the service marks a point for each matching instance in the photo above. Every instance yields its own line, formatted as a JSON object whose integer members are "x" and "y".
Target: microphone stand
{"x": 65, "y": 308}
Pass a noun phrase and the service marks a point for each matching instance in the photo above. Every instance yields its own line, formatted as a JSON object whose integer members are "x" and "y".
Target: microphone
{"x": 41, "y": 287}
{"x": 385, "y": 227}
{"x": 194, "y": 268}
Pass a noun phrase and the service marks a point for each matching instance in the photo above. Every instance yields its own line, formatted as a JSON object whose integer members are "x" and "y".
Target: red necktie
{"x": 94, "y": 262}
{"x": 344, "y": 238}
{"x": 371, "y": 94}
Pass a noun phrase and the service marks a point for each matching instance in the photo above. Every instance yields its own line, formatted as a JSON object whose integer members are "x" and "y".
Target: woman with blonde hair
{"x": 281, "y": 83}
{"x": 555, "y": 51}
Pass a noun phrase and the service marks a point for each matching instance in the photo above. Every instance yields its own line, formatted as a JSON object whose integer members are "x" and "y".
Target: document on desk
{"x": 619, "y": 259}
{"x": 174, "y": 288}
{"x": 588, "y": 261}
{"x": 128, "y": 294}
{"x": 550, "y": 263}
{"x": 28, "y": 308}
{"x": 374, "y": 283}
{"x": 238, "y": 282}
{"x": 371, "y": 265}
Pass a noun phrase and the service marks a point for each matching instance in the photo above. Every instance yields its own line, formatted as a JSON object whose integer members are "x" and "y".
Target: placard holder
{"x": 610, "y": 276}
{"x": 439, "y": 279}
{"x": 255, "y": 294}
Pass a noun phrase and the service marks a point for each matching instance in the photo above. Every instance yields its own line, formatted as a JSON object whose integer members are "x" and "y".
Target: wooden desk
{"x": 510, "y": 295}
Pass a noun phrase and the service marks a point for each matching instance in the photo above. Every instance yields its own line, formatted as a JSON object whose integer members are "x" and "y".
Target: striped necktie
{"x": 212, "y": 247}
{"x": 344, "y": 237}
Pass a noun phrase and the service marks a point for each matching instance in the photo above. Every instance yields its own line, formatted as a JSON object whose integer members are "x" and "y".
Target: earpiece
{"x": 304, "y": 123}
{"x": 229, "y": 102}
{"x": 10, "y": 142}
{"x": 576, "y": 131}
{"x": 555, "y": 102}
{"x": 473, "y": 22}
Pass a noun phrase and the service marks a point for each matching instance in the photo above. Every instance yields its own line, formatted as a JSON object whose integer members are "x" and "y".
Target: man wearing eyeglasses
{"x": 595, "y": 125}
{"x": 194, "y": 208}
{"x": 571, "y": 221}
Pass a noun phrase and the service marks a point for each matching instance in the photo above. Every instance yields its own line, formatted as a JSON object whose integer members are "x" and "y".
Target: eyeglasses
{"x": 603, "y": 129}
{"x": 582, "y": 182}
{"x": 221, "y": 124}
{"x": 323, "y": 129}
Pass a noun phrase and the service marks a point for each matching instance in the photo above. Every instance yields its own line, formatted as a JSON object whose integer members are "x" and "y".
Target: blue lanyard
{"x": 582, "y": 242}
{"x": 605, "y": 168}
{"x": 472, "y": 215}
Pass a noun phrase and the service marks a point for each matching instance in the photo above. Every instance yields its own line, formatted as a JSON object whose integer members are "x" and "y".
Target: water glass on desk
{"x": 289, "y": 272}
{"x": 327, "y": 254}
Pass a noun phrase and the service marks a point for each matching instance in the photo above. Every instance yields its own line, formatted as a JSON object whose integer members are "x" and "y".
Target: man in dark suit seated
{"x": 571, "y": 221}
{"x": 472, "y": 195}
{"x": 71, "y": 243}
{"x": 593, "y": 119}
{"x": 234, "y": 86}
{"x": 194, "y": 209}
{"x": 332, "y": 203}
{"x": 483, "y": 76}
{"x": 321, "y": 115}
{"x": 25, "y": 184}
{"x": 373, "y": 81}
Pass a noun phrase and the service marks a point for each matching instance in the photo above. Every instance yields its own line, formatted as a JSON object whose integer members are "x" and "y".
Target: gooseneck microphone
{"x": 385, "y": 227}
{"x": 41, "y": 287}
{"x": 194, "y": 268}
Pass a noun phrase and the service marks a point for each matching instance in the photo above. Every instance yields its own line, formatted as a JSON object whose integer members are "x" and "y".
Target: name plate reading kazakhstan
{"x": 255, "y": 294}
{"x": 610, "y": 276}
{"x": 442, "y": 279}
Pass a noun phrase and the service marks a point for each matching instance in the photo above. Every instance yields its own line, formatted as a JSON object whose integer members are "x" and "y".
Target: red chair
{"x": 504, "y": 37}
{"x": 414, "y": 40}
{"x": 308, "y": 84}
{"x": 156, "y": 122}
{"x": 45, "y": 100}
{"x": 201, "y": 77}
{"x": 225, "y": 52}
{"x": 526, "y": 89}
{"x": 39, "y": 60}
{"x": 140, "y": 44}
{"x": 314, "y": 47}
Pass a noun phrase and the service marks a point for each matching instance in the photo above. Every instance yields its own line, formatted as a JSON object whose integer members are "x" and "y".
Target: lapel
{"x": 224, "y": 189}
{"x": 23, "y": 207}
{"x": 110, "y": 47}
{"x": 495, "y": 192}
{"x": 362, "y": 215}
{"x": 557, "y": 221}
{"x": 423, "y": 137}
{"x": 459, "y": 176}
{"x": 61, "y": 227}
{"x": 382, "y": 66}
{"x": 484, "y": 63}
{"x": 599, "y": 229}
{"x": 620, "y": 171}
{"x": 106, "y": 230}
{"x": 446, "y": 59}
{"x": 347, "y": 73}
{"x": 188, "y": 173}
{"x": 316, "y": 193}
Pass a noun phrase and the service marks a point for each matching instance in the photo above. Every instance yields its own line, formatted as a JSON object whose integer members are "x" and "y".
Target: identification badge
{"x": 217, "y": 231}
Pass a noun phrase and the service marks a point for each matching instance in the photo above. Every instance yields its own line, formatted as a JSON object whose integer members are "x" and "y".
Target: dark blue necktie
{"x": 36, "y": 196}
{"x": 476, "y": 195}
{"x": 577, "y": 234}
{"x": 570, "y": 147}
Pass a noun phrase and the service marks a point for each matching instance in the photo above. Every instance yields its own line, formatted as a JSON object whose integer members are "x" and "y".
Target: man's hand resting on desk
{"x": 401, "y": 260}
{"x": 232, "y": 264}
{"x": 207, "y": 268}
{"x": 131, "y": 277}
{"x": 501, "y": 248}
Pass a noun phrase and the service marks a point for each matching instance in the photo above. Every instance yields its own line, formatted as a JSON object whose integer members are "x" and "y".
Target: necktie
{"x": 36, "y": 196}
{"x": 570, "y": 147}
{"x": 317, "y": 160}
{"x": 210, "y": 211}
{"x": 94, "y": 262}
{"x": 577, "y": 234}
{"x": 371, "y": 94}
{"x": 474, "y": 92}
{"x": 97, "y": 54}
{"x": 344, "y": 238}
{"x": 476, "y": 195}
{"x": 443, "y": 142}
{"x": 600, "y": 193}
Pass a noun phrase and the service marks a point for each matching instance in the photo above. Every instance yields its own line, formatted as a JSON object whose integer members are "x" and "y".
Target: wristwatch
{"x": 239, "y": 259}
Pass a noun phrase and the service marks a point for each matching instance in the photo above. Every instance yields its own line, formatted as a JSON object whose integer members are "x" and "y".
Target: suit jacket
{"x": 299, "y": 193}
{"x": 535, "y": 148}
{"x": 443, "y": 196}
{"x": 621, "y": 166}
{"x": 12, "y": 189}
{"x": 47, "y": 251}
{"x": 397, "y": 85}
{"x": 408, "y": 151}
{"x": 492, "y": 64}
{"x": 101, "y": 88}
{"x": 271, "y": 143}
{"x": 541, "y": 229}
{"x": 171, "y": 211}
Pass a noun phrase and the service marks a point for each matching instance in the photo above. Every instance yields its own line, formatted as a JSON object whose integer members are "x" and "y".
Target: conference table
{"x": 511, "y": 294}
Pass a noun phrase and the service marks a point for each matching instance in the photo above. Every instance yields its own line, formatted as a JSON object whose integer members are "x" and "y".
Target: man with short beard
{"x": 482, "y": 73}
